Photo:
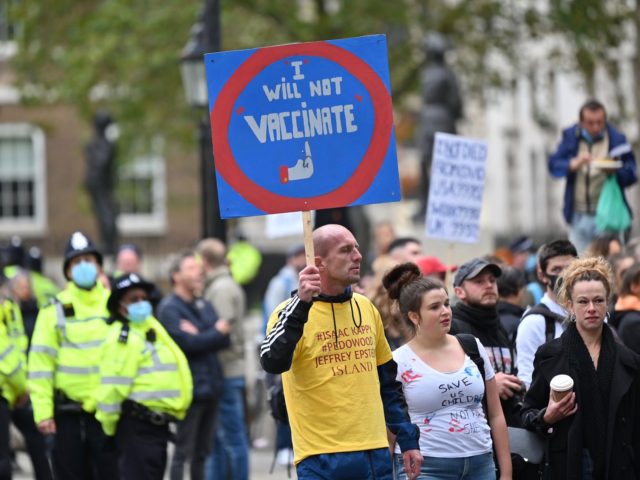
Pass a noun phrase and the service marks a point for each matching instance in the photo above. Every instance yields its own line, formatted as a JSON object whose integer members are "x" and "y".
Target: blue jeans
{"x": 363, "y": 465}
{"x": 478, "y": 467}
{"x": 582, "y": 230}
{"x": 587, "y": 465}
{"x": 230, "y": 455}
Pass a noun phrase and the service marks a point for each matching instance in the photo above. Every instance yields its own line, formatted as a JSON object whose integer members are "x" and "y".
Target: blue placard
{"x": 302, "y": 126}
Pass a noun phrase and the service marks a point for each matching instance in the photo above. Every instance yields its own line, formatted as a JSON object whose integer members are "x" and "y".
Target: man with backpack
{"x": 476, "y": 313}
{"x": 543, "y": 322}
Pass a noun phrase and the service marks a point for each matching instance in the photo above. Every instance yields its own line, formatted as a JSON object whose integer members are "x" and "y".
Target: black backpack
{"x": 470, "y": 346}
{"x": 277, "y": 404}
{"x": 521, "y": 468}
{"x": 278, "y": 409}
{"x": 550, "y": 319}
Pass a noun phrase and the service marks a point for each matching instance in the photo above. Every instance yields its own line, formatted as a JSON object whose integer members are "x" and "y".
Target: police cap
{"x": 79, "y": 244}
{"x": 121, "y": 285}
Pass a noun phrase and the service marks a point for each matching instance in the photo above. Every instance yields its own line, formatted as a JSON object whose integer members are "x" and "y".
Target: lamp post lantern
{"x": 205, "y": 38}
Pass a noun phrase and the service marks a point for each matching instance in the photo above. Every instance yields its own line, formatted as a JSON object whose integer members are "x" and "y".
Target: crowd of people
{"x": 95, "y": 373}
{"x": 382, "y": 364}
{"x": 391, "y": 359}
{"x": 466, "y": 372}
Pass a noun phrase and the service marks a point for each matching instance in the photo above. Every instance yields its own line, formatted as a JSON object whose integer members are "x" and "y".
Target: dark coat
{"x": 628, "y": 324}
{"x": 200, "y": 349}
{"x": 565, "y": 437}
{"x": 510, "y": 317}
{"x": 568, "y": 149}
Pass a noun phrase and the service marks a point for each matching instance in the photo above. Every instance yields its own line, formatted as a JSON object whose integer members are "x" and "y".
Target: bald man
{"x": 129, "y": 260}
{"x": 337, "y": 371}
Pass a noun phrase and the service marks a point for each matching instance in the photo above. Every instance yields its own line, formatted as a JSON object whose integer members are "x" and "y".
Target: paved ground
{"x": 260, "y": 464}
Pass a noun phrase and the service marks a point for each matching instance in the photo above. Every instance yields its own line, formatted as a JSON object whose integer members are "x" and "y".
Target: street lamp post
{"x": 205, "y": 38}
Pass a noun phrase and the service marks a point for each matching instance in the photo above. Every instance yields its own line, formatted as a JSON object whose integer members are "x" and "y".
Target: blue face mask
{"x": 139, "y": 311}
{"x": 84, "y": 274}
{"x": 591, "y": 139}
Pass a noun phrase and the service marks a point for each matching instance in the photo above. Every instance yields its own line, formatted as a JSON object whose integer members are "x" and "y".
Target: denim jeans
{"x": 229, "y": 458}
{"x": 362, "y": 465}
{"x": 582, "y": 230}
{"x": 587, "y": 465}
{"x": 478, "y": 467}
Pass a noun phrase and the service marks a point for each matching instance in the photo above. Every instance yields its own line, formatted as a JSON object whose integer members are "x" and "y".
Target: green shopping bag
{"x": 612, "y": 214}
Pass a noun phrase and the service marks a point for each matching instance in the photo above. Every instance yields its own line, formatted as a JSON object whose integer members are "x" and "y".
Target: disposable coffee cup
{"x": 561, "y": 386}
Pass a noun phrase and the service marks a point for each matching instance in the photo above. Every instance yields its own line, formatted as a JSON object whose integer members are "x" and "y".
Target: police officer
{"x": 22, "y": 413}
{"x": 13, "y": 386}
{"x": 63, "y": 366}
{"x": 145, "y": 381}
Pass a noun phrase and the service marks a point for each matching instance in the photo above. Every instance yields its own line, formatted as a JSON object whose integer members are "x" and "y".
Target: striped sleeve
{"x": 285, "y": 328}
{"x": 42, "y": 362}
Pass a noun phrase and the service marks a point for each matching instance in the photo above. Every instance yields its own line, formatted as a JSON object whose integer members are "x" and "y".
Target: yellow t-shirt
{"x": 332, "y": 388}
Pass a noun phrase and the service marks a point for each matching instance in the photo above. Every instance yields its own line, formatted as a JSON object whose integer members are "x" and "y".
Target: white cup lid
{"x": 561, "y": 383}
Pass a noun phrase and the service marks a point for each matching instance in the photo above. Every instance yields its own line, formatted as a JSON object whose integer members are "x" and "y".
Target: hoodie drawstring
{"x": 353, "y": 319}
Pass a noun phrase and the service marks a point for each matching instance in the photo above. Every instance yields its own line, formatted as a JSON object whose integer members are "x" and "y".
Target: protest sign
{"x": 284, "y": 224}
{"x": 456, "y": 188}
{"x": 303, "y": 126}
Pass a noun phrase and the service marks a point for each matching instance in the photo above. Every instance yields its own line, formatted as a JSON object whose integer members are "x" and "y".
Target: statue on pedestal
{"x": 100, "y": 180}
{"x": 441, "y": 109}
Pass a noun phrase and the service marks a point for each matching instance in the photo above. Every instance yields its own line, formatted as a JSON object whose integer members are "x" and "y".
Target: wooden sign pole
{"x": 307, "y": 226}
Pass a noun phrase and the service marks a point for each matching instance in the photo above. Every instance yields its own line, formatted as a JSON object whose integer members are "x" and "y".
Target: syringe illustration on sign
{"x": 301, "y": 170}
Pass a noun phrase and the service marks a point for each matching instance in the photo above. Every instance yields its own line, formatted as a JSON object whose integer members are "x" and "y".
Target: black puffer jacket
{"x": 565, "y": 439}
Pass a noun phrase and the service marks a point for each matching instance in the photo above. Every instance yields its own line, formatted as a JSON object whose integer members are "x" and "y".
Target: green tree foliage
{"x": 123, "y": 54}
{"x": 118, "y": 54}
{"x": 476, "y": 28}
{"x": 590, "y": 31}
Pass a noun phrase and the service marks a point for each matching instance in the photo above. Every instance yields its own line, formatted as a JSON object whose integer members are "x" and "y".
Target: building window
{"x": 7, "y": 25}
{"x": 22, "y": 179}
{"x": 141, "y": 194}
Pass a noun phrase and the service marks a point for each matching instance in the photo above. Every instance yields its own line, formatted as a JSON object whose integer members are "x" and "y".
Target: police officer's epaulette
{"x": 124, "y": 334}
{"x": 68, "y": 310}
{"x": 151, "y": 335}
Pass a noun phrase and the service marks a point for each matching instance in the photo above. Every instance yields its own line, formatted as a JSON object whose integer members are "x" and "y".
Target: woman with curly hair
{"x": 593, "y": 432}
{"x": 444, "y": 387}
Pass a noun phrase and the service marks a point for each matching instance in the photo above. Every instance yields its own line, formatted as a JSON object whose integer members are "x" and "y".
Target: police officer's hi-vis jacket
{"x": 141, "y": 363}
{"x": 15, "y": 325}
{"x": 65, "y": 348}
{"x": 13, "y": 367}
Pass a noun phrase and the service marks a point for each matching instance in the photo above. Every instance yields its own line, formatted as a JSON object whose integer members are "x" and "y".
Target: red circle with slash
{"x": 366, "y": 171}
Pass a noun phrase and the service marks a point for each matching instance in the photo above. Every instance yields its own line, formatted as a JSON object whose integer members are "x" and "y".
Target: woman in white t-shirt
{"x": 444, "y": 388}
